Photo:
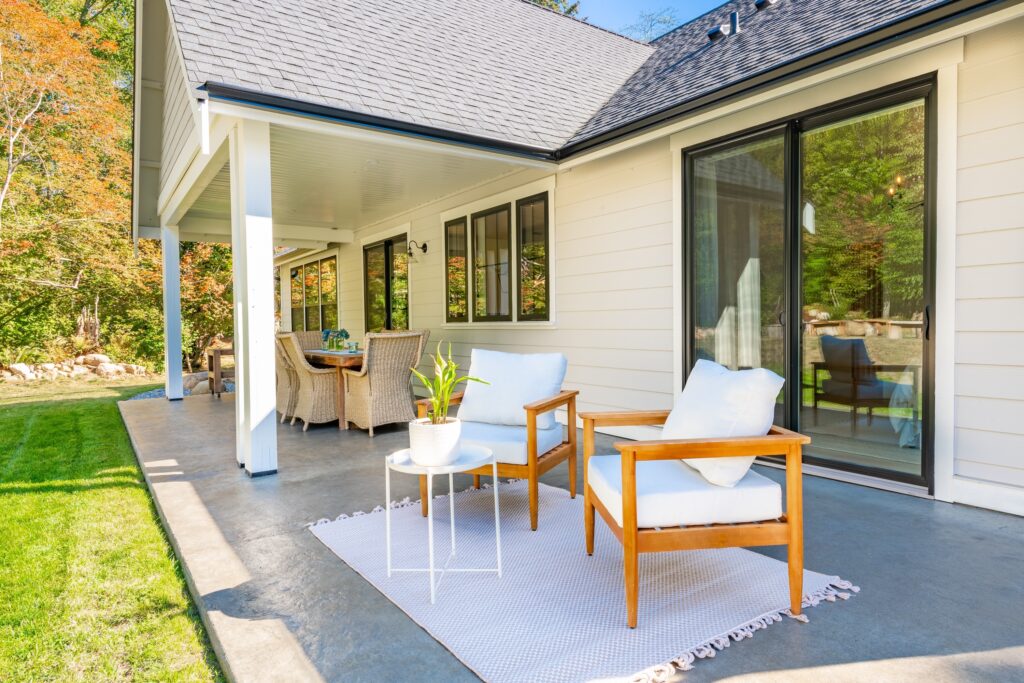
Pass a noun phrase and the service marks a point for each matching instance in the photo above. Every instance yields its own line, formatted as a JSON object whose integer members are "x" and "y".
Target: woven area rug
{"x": 556, "y": 614}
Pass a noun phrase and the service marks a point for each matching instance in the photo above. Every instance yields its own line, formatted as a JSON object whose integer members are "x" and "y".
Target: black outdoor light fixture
{"x": 413, "y": 244}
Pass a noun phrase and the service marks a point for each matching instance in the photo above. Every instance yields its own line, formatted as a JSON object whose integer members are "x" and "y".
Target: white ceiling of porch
{"x": 326, "y": 181}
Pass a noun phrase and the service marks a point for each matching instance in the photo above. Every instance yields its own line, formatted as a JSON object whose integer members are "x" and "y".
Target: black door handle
{"x": 927, "y": 322}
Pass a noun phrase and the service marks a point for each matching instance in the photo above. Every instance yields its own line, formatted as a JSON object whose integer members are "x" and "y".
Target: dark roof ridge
{"x": 585, "y": 23}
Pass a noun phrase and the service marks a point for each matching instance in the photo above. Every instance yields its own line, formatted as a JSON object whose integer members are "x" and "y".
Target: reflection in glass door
{"x": 738, "y": 246}
{"x": 386, "y": 285}
{"x": 863, "y": 302}
{"x": 808, "y": 253}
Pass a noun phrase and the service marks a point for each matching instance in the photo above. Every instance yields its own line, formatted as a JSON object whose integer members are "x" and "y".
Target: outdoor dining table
{"x": 339, "y": 360}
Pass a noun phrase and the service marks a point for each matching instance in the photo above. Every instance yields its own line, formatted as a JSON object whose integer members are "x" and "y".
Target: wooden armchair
{"x": 786, "y": 529}
{"x": 536, "y": 464}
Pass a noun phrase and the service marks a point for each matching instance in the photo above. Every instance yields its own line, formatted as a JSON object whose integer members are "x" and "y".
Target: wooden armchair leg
{"x": 632, "y": 576}
{"x": 476, "y": 481}
{"x": 534, "y": 502}
{"x": 424, "y": 495}
{"x": 588, "y": 520}
{"x": 796, "y": 578}
{"x": 572, "y": 474}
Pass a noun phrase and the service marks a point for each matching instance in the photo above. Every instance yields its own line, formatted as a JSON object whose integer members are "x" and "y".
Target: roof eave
{"x": 255, "y": 98}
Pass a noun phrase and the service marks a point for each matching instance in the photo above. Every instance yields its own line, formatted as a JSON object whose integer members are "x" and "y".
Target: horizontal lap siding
{"x": 612, "y": 274}
{"x": 179, "y": 128}
{"x": 990, "y": 258}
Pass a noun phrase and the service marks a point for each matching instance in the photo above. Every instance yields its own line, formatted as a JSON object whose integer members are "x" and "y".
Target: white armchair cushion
{"x": 668, "y": 493}
{"x": 508, "y": 442}
{"x": 718, "y": 402}
{"x": 515, "y": 380}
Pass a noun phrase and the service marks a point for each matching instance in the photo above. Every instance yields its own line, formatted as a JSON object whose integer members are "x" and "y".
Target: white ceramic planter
{"x": 433, "y": 445}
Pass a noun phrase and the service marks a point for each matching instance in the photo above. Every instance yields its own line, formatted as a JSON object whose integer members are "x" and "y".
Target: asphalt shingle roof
{"x": 506, "y": 70}
{"x": 502, "y": 69}
{"x": 687, "y": 65}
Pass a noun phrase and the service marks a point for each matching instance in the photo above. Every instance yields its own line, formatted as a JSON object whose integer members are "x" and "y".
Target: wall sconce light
{"x": 413, "y": 244}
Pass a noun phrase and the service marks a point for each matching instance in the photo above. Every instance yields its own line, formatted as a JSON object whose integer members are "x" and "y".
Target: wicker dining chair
{"x": 316, "y": 401}
{"x": 380, "y": 392}
{"x": 287, "y": 382}
{"x": 310, "y": 339}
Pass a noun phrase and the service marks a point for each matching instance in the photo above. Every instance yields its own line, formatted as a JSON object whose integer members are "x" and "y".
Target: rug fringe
{"x": 836, "y": 588}
{"x": 395, "y": 505}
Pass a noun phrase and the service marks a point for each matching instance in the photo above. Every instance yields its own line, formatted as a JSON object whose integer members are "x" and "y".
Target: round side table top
{"x": 470, "y": 457}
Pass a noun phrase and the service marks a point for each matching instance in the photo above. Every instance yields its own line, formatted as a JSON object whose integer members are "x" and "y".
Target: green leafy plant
{"x": 440, "y": 387}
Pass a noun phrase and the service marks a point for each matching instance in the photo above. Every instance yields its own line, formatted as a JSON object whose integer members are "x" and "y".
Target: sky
{"x": 617, "y": 14}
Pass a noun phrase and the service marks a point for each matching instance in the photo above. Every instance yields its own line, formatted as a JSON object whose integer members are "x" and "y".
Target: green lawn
{"x": 89, "y": 587}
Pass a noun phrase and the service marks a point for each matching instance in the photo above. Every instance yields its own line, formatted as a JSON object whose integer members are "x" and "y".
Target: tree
{"x": 566, "y": 7}
{"x": 650, "y": 25}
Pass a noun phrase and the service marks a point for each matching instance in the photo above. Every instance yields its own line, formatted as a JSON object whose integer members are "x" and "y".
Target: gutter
{"x": 245, "y": 96}
{"x": 887, "y": 34}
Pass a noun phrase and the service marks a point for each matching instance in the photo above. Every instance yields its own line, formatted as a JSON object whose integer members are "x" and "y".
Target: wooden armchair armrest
{"x": 777, "y": 441}
{"x": 548, "y": 404}
{"x": 423, "y": 404}
{"x": 624, "y": 418}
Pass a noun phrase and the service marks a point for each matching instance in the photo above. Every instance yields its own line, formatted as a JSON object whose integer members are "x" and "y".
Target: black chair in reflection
{"x": 853, "y": 379}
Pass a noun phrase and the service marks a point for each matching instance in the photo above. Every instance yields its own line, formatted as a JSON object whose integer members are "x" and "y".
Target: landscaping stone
{"x": 109, "y": 370}
{"x": 201, "y": 388}
{"x": 79, "y": 370}
{"x": 95, "y": 359}
{"x": 191, "y": 381}
{"x": 22, "y": 371}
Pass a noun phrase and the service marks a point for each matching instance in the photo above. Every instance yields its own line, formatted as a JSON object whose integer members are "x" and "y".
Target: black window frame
{"x": 471, "y": 293}
{"x": 546, "y": 316}
{"x": 301, "y": 267}
{"x": 389, "y": 250}
{"x": 793, "y": 126}
{"x": 465, "y": 221}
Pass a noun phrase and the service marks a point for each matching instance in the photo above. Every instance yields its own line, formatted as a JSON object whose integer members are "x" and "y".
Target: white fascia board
{"x": 365, "y": 134}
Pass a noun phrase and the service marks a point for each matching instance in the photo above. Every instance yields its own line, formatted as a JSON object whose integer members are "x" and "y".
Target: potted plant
{"x": 434, "y": 440}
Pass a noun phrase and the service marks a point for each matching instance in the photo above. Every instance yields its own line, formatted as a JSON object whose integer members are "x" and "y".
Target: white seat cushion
{"x": 718, "y": 402}
{"x": 515, "y": 380}
{"x": 668, "y": 493}
{"x": 508, "y": 442}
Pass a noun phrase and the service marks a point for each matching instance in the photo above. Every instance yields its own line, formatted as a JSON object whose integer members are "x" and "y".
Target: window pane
{"x": 399, "y": 285}
{"x": 492, "y": 291}
{"x": 298, "y": 316}
{"x": 311, "y": 288}
{"x": 533, "y": 258}
{"x": 376, "y": 288}
{"x": 329, "y": 293}
{"x": 277, "y": 294}
{"x": 738, "y": 242}
{"x": 862, "y": 287}
{"x": 456, "y": 250}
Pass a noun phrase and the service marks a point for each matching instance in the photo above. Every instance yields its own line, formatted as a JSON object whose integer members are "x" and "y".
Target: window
{"x": 497, "y": 264}
{"x": 314, "y": 295}
{"x": 456, "y": 249}
{"x": 386, "y": 284}
{"x": 532, "y": 226}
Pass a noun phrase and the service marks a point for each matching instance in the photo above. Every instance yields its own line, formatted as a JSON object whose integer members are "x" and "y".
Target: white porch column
{"x": 252, "y": 251}
{"x": 169, "y": 243}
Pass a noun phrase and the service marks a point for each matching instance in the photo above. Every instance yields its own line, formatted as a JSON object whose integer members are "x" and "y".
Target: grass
{"x": 89, "y": 587}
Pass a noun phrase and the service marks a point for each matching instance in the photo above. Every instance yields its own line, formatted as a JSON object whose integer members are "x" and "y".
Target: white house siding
{"x": 990, "y": 258}
{"x": 612, "y": 278}
{"x": 180, "y": 135}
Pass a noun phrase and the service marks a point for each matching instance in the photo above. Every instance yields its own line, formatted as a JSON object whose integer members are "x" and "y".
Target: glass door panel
{"x": 738, "y": 243}
{"x": 862, "y": 286}
{"x": 386, "y": 284}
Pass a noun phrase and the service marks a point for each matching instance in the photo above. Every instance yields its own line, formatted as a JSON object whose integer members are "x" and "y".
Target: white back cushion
{"x": 515, "y": 380}
{"x": 718, "y": 402}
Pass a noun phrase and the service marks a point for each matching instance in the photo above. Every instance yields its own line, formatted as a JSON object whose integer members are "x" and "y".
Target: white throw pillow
{"x": 718, "y": 402}
{"x": 515, "y": 380}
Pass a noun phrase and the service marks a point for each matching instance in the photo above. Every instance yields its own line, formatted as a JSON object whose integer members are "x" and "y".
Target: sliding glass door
{"x": 808, "y": 252}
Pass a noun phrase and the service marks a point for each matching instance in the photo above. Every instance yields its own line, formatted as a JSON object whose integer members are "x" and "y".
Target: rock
{"x": 4, "y": 374}
{"x": 109, "y": 370}
{"x": 134, "y": 369}
{"x": 22, "y": 371}
{"x": 47, "y": 367}
{"x": 201, "y": 388}
{"x": 95, "y": 359}
{"x": 856, "y": 328}
{"x": 80, "y": 360}
{"x": 190, "y": 381}
{"x": 47, "y": 371}
{"x": 79, "y": 370}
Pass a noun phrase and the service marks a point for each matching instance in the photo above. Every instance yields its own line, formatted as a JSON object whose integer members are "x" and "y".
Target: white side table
{"x": 470, "y": 457}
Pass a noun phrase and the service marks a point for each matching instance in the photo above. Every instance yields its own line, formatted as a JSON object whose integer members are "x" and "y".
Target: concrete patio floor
{"x": 941, "y": 591}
